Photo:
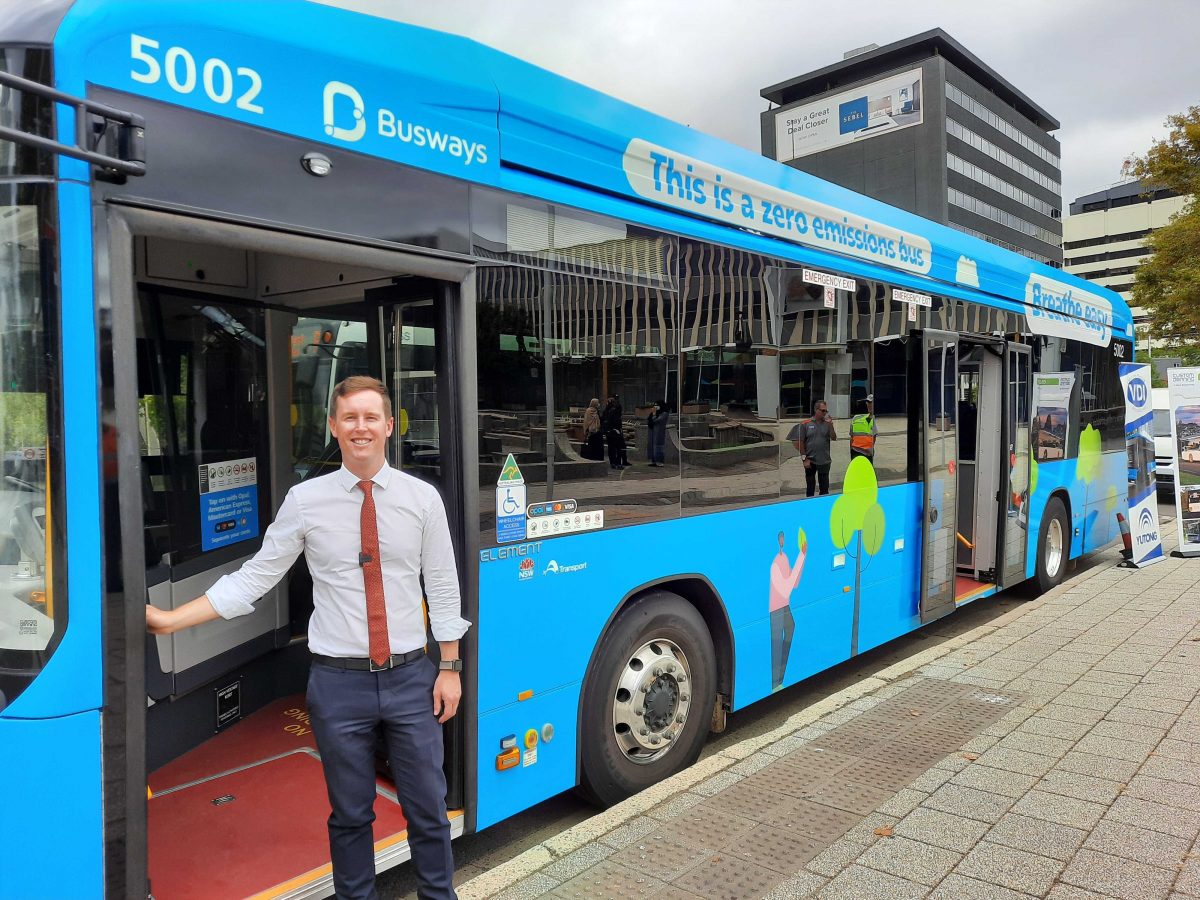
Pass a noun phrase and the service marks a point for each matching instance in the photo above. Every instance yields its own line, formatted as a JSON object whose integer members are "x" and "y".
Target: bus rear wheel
{"x": 648, "y": 699}
{"x": 1054, "y": 545}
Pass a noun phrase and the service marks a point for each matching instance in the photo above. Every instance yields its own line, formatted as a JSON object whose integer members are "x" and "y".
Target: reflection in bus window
{"x": 30, "y": 612}
{"x": 324, "y": 351}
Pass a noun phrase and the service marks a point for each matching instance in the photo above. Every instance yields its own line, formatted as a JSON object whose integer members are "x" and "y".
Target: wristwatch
{"x": 450, "y": 665}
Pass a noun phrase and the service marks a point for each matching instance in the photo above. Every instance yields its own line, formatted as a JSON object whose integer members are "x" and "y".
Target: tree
{"x": 1168, "y": 283}
{"x": 857, "y": 512}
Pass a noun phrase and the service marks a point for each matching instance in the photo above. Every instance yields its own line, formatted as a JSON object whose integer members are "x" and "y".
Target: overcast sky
{"x": 1109, "y": 71}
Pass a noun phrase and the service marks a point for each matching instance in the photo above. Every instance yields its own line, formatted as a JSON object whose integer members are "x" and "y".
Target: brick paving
{"x": 1055, "y": 755}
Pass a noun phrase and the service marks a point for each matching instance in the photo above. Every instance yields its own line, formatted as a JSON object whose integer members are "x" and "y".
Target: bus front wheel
{"x": 1054, "y": 545}
{"x": 648, "y": 699}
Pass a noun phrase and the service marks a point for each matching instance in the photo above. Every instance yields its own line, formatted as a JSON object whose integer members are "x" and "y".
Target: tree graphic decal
{"x": 857, "y": 513}
{"x": 1087, "y": 469}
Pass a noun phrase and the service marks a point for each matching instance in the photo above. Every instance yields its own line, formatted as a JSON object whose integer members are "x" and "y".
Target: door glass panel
{"x": 324, "y": 351}
{"x": 1017, "y": 451}
{"x": 411, "y": 346}
{"x": 941, "y": 471}
{"x": 201, "y": 418}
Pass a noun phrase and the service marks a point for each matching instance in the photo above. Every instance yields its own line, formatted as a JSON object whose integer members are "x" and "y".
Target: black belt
{"x": 368, "y": 665}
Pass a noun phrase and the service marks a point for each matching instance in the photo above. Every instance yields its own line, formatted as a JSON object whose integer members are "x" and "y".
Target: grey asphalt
{"x": 1052, "y": 752}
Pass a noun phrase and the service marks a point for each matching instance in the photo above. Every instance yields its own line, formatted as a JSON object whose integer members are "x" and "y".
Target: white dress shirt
{"x": 321, "y": 519}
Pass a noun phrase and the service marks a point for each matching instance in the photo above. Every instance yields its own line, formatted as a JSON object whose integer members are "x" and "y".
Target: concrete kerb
{"x": 538, "y": 857}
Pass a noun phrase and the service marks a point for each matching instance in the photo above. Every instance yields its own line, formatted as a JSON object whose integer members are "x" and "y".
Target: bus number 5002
{"x": 179, "y": 68}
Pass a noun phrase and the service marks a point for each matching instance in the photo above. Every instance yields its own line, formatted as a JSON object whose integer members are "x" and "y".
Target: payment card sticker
{"x": 228, "y": 502}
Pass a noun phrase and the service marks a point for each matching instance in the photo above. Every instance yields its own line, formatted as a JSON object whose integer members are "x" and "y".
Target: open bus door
{"x": 417, "y": 320}
{"x": 939, "y": 368}
{"x": 230, "y": 761}
{"x": 1015, "y": 485}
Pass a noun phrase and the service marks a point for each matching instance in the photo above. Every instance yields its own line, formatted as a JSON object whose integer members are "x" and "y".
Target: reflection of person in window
{"x": 864, "y": 431}
{"x": 812, "y": 438}
{"x": 611, "y": 422}
{"x": 784, "y": 577}
{"x": 656, "y": 433}
{"x": 593, "y": 439}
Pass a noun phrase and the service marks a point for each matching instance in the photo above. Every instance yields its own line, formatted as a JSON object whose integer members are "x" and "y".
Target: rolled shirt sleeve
{"x": 234, "y": 594}
{"x": 440, "y": 573}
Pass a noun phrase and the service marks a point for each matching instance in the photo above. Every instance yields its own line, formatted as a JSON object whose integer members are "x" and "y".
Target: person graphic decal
{"x": 784, "y": 577}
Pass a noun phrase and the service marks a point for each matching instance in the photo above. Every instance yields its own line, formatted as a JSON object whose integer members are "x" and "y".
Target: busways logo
{"x": 1147, "y": 527}
{"x": 1137, "y": 392}
{"x": 345, "y": 117}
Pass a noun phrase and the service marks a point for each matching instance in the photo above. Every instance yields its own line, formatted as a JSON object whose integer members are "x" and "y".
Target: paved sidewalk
{"x": 1054, "y": 752}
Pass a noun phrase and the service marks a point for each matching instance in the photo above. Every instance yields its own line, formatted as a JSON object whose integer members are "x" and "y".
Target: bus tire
{"x": 648, "y": 699}
{"x": 1054, "y": 545}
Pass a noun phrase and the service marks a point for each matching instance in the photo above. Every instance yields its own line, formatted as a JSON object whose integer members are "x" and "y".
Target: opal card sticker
{"x": 228, "y": 502}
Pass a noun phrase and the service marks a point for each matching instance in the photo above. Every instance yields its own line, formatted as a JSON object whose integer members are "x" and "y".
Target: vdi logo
{"x": 1137, "y": 392}
{"x": 334, "y": 90}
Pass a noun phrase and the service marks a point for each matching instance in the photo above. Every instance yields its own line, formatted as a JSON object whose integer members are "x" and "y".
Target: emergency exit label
{"x": 228, "y": 502}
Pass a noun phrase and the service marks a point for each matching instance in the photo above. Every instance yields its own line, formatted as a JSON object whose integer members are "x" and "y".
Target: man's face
{"x": 821, "y": 411}
{"x": 362, "y": 429}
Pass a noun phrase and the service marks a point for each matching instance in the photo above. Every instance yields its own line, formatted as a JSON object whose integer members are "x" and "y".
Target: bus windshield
{"x": 26, "y": 602}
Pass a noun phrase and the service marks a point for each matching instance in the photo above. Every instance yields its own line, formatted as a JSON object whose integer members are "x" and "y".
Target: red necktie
{"x": 377, "y": 629}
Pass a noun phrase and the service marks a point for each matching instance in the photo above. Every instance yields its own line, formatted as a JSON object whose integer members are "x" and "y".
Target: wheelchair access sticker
{"x": 510, "y": 503}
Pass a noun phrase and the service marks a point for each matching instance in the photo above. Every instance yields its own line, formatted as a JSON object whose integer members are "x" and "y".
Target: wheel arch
{"x": 698, "y": 591}
{"x": 1065, "y": 496}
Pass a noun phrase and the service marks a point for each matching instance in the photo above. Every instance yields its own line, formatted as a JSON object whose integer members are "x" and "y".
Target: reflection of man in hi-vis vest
{"x": 863, "y": 431}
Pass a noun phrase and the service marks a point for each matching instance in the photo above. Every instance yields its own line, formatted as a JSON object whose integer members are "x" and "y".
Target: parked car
{"x": 1164, "y": 450}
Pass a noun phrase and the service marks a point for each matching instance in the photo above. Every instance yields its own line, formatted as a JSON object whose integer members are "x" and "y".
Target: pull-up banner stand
{"x": 1183, "y": 397}
{"x": 1145, "y": 540}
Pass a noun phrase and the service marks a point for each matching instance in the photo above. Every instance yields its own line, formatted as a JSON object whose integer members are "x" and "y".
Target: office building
{"x": 1104, "y": 237}
{"x": 925, "y": 125}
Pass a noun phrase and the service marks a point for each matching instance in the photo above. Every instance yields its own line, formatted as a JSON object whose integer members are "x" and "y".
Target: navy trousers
{"x": 348, "y": 707}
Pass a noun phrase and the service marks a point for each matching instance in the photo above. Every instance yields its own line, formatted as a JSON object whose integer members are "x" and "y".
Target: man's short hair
{"x": 356, "y": 384}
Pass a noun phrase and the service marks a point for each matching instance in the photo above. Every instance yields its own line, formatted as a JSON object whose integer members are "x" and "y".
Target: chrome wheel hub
{"x": 1054, "y": 548}
{"x": 652, "y": 700}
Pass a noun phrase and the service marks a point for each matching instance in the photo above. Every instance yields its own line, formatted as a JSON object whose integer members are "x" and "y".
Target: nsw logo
{"x": 357, "y": 109}
{"x": 526, "y": 570}
{"x": 1137, "y": 393}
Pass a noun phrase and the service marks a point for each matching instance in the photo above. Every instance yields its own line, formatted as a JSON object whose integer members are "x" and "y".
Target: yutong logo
{"x": 1137, "y": 392}
{"x": 345, "y": 116}
{"x": 1147, "y": 526}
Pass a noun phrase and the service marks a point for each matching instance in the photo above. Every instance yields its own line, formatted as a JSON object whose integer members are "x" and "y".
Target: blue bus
{"x": 214, "y": 211}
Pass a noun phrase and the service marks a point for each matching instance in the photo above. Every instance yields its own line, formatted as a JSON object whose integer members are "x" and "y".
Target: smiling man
{"x": 368, "y": 533}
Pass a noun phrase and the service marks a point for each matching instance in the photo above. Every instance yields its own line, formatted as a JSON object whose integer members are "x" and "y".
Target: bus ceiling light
{"x": 316, "y": 164}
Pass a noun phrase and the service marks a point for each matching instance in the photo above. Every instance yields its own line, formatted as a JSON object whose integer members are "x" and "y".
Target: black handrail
{"x": 128, "y": 139}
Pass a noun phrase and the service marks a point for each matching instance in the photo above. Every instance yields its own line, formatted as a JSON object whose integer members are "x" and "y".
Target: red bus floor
{"x": 244, "y": 813}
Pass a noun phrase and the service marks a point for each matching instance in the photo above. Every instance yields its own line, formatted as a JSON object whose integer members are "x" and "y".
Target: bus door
{"x": 939, "y": 368}
{"x": 416, "y": 319}
{"x": 202, "y": 400}
{"x": 980, "y": 459}
{"x": 1015, "y": 481}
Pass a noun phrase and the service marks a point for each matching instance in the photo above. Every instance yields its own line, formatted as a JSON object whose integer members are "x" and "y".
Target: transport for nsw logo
{"x": 337, "y": 93}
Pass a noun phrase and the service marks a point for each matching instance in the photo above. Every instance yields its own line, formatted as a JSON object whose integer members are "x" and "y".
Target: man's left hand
{"x": 447, "y": 691}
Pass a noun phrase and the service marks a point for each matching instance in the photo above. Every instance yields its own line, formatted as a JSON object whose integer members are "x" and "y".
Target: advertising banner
{"x": 862, "y": 112}
{"x": 1183, "y": 397}
{"x": 1144, "y": 538}
{"x": 1052, "y": 415}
